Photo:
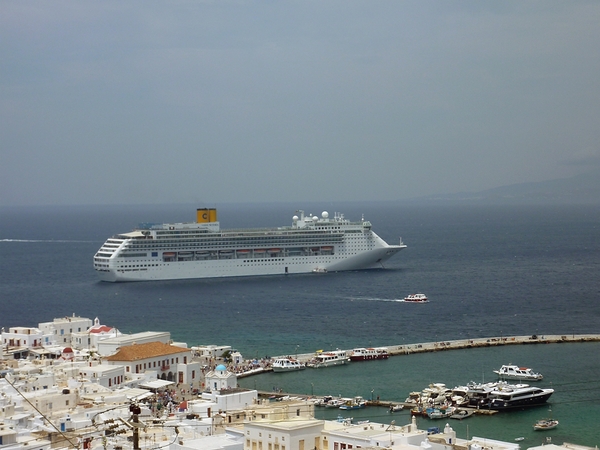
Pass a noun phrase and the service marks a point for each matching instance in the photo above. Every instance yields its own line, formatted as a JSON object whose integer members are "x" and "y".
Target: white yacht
{"x": 518, "y": 396}
{"x": 202, "y": 250}
{"x": 513, "y": 372}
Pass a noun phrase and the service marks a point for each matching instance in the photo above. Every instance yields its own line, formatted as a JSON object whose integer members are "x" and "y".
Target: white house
{"x": 107, "y": 375}
{"x": 211, "y": 351}
{"x": 60, "y": 330}
{"x": 232, "y": 400}
{"x": 22, "y": 337}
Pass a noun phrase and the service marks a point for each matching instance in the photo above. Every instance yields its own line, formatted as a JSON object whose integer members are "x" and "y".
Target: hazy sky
{"x": 106, "y": 102}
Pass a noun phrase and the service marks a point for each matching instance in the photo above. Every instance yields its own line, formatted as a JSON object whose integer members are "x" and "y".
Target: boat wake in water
{"x": 375, "y": 299}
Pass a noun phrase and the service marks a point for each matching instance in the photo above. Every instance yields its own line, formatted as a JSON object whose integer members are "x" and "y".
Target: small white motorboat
{"x": 510, "y": 371}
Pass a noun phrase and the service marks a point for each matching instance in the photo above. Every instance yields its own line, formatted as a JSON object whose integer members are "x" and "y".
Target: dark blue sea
{"x": 487, "y": 270}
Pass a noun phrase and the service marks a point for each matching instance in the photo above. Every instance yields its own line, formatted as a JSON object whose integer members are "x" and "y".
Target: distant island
{"x": 579, "y": 189}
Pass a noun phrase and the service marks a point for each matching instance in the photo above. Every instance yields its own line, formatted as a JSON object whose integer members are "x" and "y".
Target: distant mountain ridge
{"x": 579, "y": 189}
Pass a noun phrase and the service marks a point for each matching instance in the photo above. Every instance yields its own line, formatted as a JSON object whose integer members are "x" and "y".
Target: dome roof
{"x": 221, "y": 367}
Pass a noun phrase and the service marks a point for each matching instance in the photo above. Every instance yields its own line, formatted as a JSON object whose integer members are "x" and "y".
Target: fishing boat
{"x": 440, "y": 413}
{"x": 545, "y": 424}
{"x": 355, "y": 403}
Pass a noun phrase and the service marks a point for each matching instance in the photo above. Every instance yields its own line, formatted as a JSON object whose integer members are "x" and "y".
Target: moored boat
{"x": 545, "y": 424}
{"x": 518, "y": 396}
{"x": 367, "y": 354}
{"x": 336, "y": 402}
{"x": 327, "y": 359}
{"x": 355, "y": 403}
{"x": 440, "y": 413}
{"x": 287, "y": 365}
{"x": 323, "y": 400}
{"x": 498, "y": 395}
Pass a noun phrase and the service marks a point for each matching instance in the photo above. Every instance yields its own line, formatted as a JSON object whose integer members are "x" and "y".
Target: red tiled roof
{"x": 100, "y": 329}
{"x": 136, "y": 352}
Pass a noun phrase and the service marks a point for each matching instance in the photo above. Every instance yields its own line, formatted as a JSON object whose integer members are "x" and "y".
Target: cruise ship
{"x": 202, "y": 250}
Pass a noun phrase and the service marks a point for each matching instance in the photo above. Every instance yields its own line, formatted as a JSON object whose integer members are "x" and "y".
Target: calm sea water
{"x": 488, "y": 271}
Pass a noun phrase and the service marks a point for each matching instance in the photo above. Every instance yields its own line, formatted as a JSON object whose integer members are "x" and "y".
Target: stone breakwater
{"x": 489, "y": 342}
{"x": 424, "y": 347}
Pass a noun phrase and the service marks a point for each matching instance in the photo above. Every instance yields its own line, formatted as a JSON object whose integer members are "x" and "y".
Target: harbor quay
{"x": 459, "y": 344}
{"x": 425, "y": 347}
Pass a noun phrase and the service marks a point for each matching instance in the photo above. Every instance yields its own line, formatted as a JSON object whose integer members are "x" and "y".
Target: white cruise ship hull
{"x": 203, "y": 250}
{"x": 238, "y": 268}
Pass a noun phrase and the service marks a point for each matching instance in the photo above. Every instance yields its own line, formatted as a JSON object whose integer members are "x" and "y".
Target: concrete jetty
{"x": 490, "y": 342}
{"x": 424, "y": 347}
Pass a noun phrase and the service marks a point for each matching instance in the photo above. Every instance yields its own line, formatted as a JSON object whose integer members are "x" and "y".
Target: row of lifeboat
{"x": 204, "y": 254}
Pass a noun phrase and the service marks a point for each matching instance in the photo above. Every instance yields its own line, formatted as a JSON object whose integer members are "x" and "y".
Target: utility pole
{"x": 135, "y": 411}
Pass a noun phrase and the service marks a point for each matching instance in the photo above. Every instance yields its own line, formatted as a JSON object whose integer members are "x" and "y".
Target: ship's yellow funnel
{"x": 205, "y": 215}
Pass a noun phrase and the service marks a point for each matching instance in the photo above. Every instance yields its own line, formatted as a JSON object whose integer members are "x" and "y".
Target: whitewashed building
{"x": 60, "y": 330}
{"x": 107, "y": 375}
{"x": 89, "y": 338}
{"x": 110, "y": 346}
{"x": 219, "y": 379}
{"x": 297, "y": 434}
{"x": 22, "y": 337}
{"x": 171, "y": 363}
{"x": 211, "y": 351}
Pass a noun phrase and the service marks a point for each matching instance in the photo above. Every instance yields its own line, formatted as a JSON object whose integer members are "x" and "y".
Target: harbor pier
{"x": 458, "y": 344}
{"x": 490, "y": 342}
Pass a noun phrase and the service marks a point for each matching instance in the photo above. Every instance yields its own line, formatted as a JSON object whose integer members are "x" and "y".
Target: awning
{"x": 156, "y": 384}
{"x": 135, "y": 394}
